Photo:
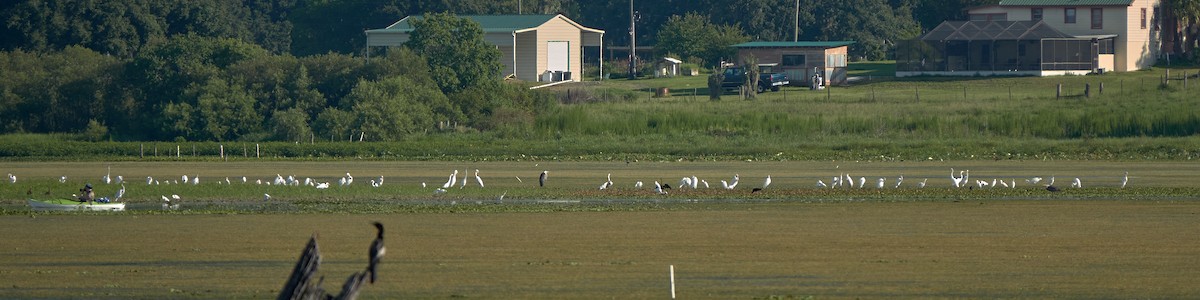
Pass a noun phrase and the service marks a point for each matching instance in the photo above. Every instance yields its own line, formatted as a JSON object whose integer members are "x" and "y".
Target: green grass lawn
{"x": 972, "y": 249}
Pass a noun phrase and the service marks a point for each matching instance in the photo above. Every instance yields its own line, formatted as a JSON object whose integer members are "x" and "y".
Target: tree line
{"x": 198, "y": 88}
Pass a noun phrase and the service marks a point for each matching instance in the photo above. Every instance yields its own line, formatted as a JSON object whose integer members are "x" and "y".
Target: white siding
{"x": 560, "y": 30}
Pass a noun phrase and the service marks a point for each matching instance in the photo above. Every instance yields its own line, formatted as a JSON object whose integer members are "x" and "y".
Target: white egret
{"x": 862, "y": 181}
{"x": 821, "y": 183}
{"x": 1002, "y": 183}
{"x": 478, "y": 179}
{"x": 107, "y": 178}
{"x": 637, "y": 185}
{"x": 120, "y": 193}
{"x": 423, "y": 185}
{"x": 957, "y": 180}
{"x": 62, "y": 179}
{"x": 705, "y": 182}
{"x": 1033, "y": 180}
{"x": 227, "y": 180}
{"x": 439, "y": 191}
{"x": 349, "y": 179}
{"x": 1051, "y": 181}
{"x": 243, "y": 179}
{"x": 196, "y": 180}
{"x": 685, "y": 182}
{"x": 1077, "y": 183}
{"x": 1125, "y": 180}
{"x": 266, "y": 197}
{"x": 12, "y": 178}
{"x": 464, "y": 180}
{"x": 185, "y": 178}
{"x": 899, "y": 181}
{"x": 921, "y": 184}
{"x": 119, "y": 179}
{"x": 450, "y": 181}
{"x": 658, "y": 188}
{"x": 767, "y": 182}
{"x": 881, "y": 183}
{"x": 342, "y": 181}
{"x": 323, "y": 185}
{"x": 695, "y": 182}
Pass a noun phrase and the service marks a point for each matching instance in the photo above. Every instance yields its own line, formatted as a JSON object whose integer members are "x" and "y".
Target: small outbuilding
{"x": 801, "y": 60}
{"x": 531, "y": 46}
{"x": 667, "y": 67}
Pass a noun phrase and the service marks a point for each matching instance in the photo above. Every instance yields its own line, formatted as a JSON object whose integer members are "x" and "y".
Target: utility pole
{"x": 796, "y": 37}
{"x": 632, "y": 42}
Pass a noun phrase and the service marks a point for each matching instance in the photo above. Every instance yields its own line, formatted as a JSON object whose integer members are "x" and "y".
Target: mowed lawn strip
{"x": 972, "y": 249}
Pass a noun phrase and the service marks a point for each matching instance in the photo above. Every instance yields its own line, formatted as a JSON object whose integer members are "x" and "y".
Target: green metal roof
{"x": 1064, "y": 2}
{"x": 489, "y": 23}
{"x": 811, "y": 44}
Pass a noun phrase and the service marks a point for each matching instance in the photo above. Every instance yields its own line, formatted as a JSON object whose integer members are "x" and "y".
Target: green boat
{"x": 72, "y": 204}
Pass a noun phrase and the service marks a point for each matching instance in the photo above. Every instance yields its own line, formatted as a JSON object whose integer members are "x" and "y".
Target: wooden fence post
{"x": 1058, "y": 92}
{"x": 1087, "y": 90}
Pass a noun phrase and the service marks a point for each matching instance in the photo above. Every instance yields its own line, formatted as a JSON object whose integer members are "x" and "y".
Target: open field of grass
{"x": 930, "y": 250}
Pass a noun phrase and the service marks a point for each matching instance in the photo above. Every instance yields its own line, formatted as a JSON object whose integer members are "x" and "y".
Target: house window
{"x": 1035, "y": 14}
{"x": 792, "y": 60}
{"x": 1069, "y": 15}
{"x": 1143, "y": 18}
{"x": 1097, "y": 18}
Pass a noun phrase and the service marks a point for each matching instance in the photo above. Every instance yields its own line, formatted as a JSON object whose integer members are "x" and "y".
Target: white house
{"x": 530, "y": 45}
{"x": 1134, "y": 25}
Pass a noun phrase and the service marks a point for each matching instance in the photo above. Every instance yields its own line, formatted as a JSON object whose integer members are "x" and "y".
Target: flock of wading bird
{"x": 460, "y": 180}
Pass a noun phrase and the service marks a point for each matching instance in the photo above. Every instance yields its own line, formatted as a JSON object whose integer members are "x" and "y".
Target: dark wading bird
{"x": 303, "y": 284}
{"x": 542, "y": 178}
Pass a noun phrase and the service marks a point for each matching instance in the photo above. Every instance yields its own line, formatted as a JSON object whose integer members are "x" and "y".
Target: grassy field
{"x": 927, "y": 250}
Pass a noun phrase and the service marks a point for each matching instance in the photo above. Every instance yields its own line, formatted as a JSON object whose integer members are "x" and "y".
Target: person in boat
{"x": 86, "y": 194}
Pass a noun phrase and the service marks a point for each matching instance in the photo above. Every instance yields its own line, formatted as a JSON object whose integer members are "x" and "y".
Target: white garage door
{"x": 558, "y": 56}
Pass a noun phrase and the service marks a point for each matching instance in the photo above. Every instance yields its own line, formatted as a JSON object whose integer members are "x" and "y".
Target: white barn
{"x": 530, "y": 45}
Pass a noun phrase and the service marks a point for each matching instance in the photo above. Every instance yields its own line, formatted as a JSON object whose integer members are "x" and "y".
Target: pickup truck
{"x": 736, "y": 77}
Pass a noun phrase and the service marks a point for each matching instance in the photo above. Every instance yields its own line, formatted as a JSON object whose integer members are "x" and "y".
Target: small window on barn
{"x": 1143, "y": 18}
{"x": 792, "y": 60}
{"x": 1035, "y": 14}
{"x": 1097, "y": 18}
{"x": 1069, "y": 15}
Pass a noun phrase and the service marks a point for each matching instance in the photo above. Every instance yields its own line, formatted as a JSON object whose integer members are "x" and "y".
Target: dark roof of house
{"x": 808, "y": 44}
{"x": 1064, "y": 2}
{"x": 993, "y": 30}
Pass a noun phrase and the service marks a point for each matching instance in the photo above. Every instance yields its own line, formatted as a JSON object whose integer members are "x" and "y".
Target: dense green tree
{"x": 334, "y": 123}
{"x": 456, "y": 51}
{"x": 393, "y": 108}
{"x": 1188, "y": 13}
{"x": 694, "y": 36}
{"x": 226, "y": 111}
{"x": 290, "y": 125}
{"x": 168, "y": 74}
